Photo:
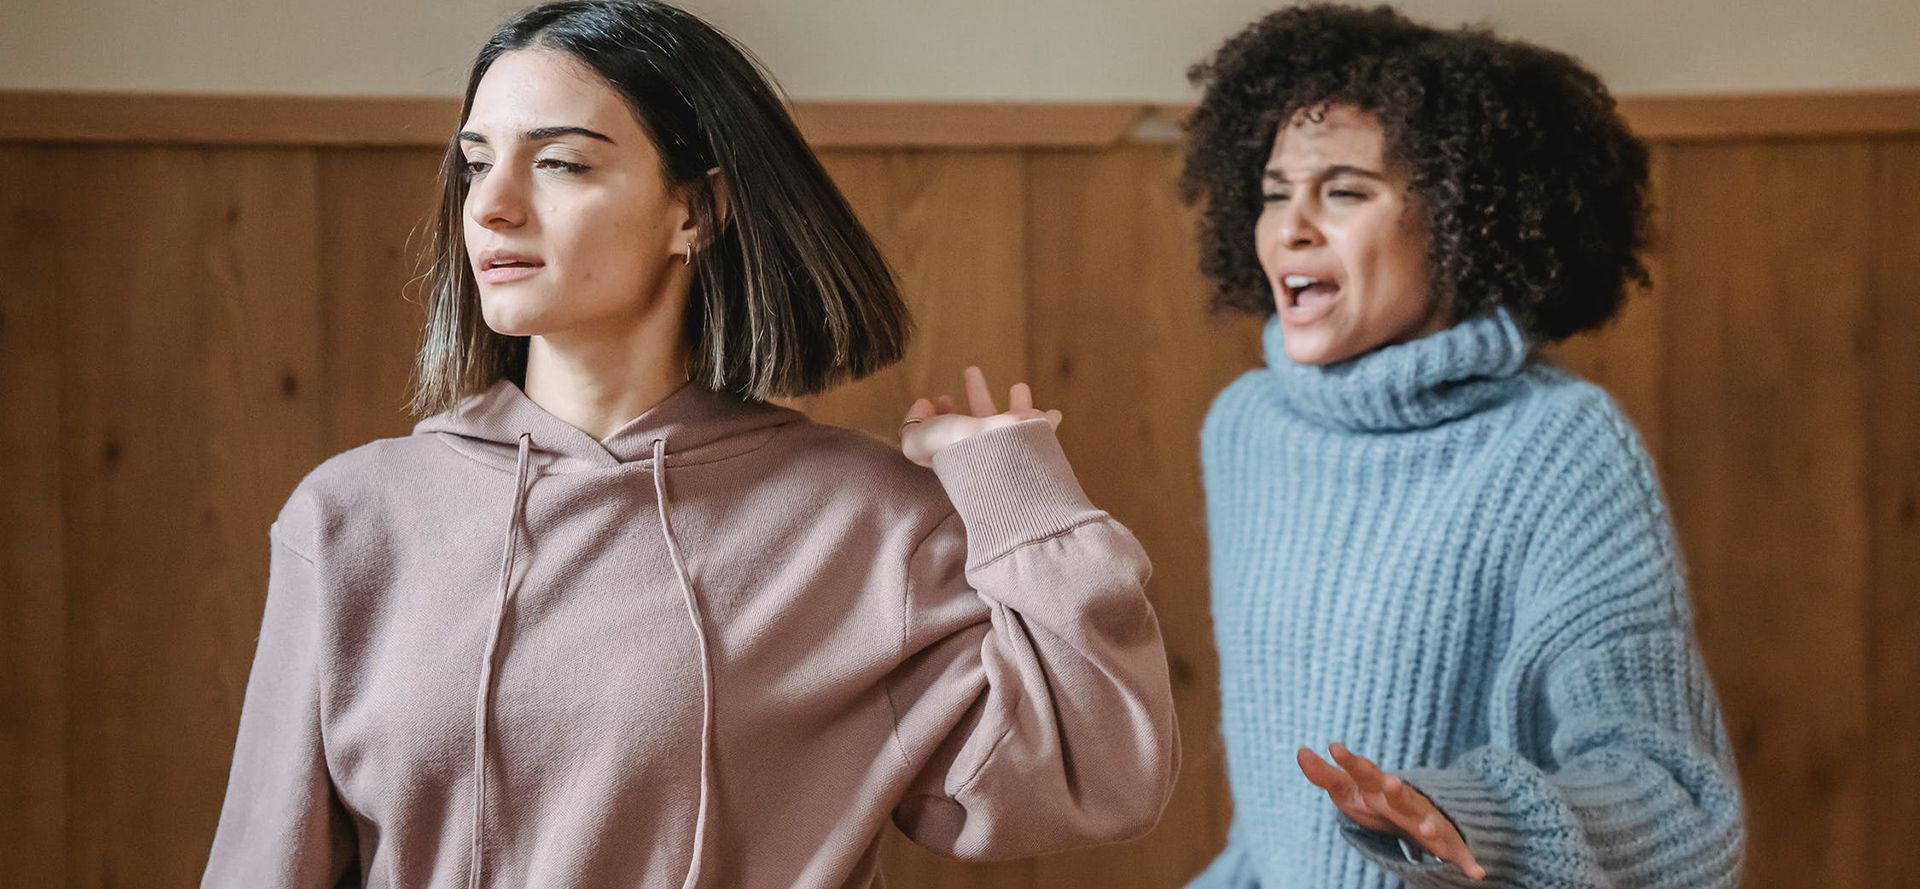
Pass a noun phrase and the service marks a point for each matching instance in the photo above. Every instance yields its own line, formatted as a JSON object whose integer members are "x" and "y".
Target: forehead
{"x": 537, "y": 87}
{"x": 1338, "y": 134}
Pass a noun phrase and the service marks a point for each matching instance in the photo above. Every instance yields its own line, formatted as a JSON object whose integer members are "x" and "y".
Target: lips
{"x": 500, "y": 267}
{"x": 1305, "y": 298}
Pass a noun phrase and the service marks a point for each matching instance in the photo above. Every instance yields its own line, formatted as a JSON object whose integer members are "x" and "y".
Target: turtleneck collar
{"x": 1462, "y": 370}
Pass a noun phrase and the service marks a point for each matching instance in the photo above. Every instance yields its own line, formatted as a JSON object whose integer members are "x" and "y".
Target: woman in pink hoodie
{"x": 607, "y": 618}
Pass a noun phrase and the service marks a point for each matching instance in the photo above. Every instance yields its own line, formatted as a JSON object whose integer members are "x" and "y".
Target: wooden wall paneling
{"x": 189, "y": 313}
{"x": 1765, "y": 424}
{"x": 198, "y": 119}
{"x": 950, "y": 224}
{"x": 1720, "y": 116}
{"x": 895, "y": 125}
{"x": 376, "y": 209}
{"x": 33, "y": 613}
{"x": 1123, "y": 343}
{"x": 1893, "y": 494}
{"x": 307, "y": 121}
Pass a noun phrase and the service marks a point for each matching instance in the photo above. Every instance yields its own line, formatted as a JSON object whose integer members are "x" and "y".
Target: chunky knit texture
{"x": 1456, "y": 560}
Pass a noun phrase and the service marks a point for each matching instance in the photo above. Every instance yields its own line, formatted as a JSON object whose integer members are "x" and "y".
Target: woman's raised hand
{"x": 1381, "y": 802}
{"x": 933, "y": 424}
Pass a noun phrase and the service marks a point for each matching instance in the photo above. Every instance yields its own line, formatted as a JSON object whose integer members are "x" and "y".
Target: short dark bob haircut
{"x": 790, "y": 295}
{"x": 1534, "y": 191}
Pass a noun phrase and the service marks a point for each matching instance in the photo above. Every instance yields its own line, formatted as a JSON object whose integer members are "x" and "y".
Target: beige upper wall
{"x": 1067, "y": 50}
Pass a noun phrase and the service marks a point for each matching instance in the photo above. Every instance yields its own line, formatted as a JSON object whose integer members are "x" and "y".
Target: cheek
{"x": 1265, "y": 234}
{"x": 1392, "y": 257}
{"x": 614, "y": 255}
{"x": 1410, "y": 259}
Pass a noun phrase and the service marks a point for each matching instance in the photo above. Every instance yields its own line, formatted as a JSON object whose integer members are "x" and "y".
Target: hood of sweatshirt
{"x": 504, "y": 428}
{"x": 696, "y": 424}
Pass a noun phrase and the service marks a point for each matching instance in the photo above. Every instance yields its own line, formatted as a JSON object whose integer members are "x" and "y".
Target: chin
{"x": 1314, "y": 347}
{"x": 1312, "y": 356}
{"x": 507, "y": 319}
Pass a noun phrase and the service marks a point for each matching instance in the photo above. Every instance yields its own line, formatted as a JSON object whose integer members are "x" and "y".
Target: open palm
{"x": 934, "y": 424}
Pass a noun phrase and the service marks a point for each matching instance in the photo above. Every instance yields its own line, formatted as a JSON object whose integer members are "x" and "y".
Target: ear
{"x": 721, "y": 204}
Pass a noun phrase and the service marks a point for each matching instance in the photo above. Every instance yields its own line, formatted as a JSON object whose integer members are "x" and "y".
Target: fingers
{"x": 1406, "y": 809}
{"x": 921, "y": 410}
{"x": 1019, "y": 399}
{"x": 1340, "y": 789}
{"x": 979, "y": 398}
{"x": 1364, "y": 772}
{"x": 1324, "y": 776}
{"x": 1433, "y": 830}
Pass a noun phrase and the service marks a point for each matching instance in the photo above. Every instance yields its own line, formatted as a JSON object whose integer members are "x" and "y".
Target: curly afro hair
{"x": 1533, "y": 190}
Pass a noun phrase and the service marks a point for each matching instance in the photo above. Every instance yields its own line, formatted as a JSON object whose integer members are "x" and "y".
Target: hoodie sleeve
{"x": 282, "y": 826}
{"x": 1619, "y": 772}
{"x": 1033, "y": 701}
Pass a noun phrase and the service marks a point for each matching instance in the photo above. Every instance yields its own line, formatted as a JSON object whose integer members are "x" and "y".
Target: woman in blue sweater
{"x": 1442, "y": 558}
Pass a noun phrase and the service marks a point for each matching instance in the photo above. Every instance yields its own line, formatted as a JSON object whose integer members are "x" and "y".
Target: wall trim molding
{"x": 201, "y": 119}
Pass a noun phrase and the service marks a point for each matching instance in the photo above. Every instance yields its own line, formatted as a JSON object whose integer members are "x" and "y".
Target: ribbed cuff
{"x": 1483, "y": 817}
{"x": 1012, "y": 486}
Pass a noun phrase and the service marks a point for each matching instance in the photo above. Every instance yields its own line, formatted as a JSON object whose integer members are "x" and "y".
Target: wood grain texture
{"x": 190, "y": 119}
{"x": 376, "y": 208}
{"x": 1775, "y": 116}
{"x": 895, "y": 125}
{"x": 1766, "y": 424}
{"x": 1892, "y": 485}
{"x": 189, "y": 312}
{"x": 427, "y": 122}
{"x": 33, "y": 588}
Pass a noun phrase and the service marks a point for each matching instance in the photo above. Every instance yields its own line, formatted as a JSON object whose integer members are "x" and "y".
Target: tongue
{"x": 1315, "y": 294}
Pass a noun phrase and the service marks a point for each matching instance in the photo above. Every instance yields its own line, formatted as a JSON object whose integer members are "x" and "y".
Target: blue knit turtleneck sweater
{"x": 1456, "y": 560}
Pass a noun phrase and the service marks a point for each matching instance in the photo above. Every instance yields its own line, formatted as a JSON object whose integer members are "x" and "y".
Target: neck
{"x": 599, "y": 380}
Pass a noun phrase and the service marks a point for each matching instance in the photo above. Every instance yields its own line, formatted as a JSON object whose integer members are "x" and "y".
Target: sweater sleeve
{"x": 1032, "y": 702}
{"x": 282, "y": 826}
{"x": 1610, "y": 764}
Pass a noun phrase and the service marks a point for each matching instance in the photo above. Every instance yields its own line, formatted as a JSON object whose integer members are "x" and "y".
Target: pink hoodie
{"x": 719, "y": 648}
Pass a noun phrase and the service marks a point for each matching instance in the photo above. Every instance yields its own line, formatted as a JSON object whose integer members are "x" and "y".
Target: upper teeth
{"x": 1296, "y": 282}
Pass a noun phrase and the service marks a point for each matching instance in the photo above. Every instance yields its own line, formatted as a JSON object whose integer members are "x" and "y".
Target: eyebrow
{"x": 1326, "y": 173}
{"x": 542, "y": 134}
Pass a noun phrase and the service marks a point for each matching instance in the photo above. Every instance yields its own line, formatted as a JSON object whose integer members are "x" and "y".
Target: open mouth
{"x": 1307, "y": 294}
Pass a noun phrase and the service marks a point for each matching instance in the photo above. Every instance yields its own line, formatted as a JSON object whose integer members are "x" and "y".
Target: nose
{"x": 1297, "y": 228}
{"x": 495, "y": 201}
